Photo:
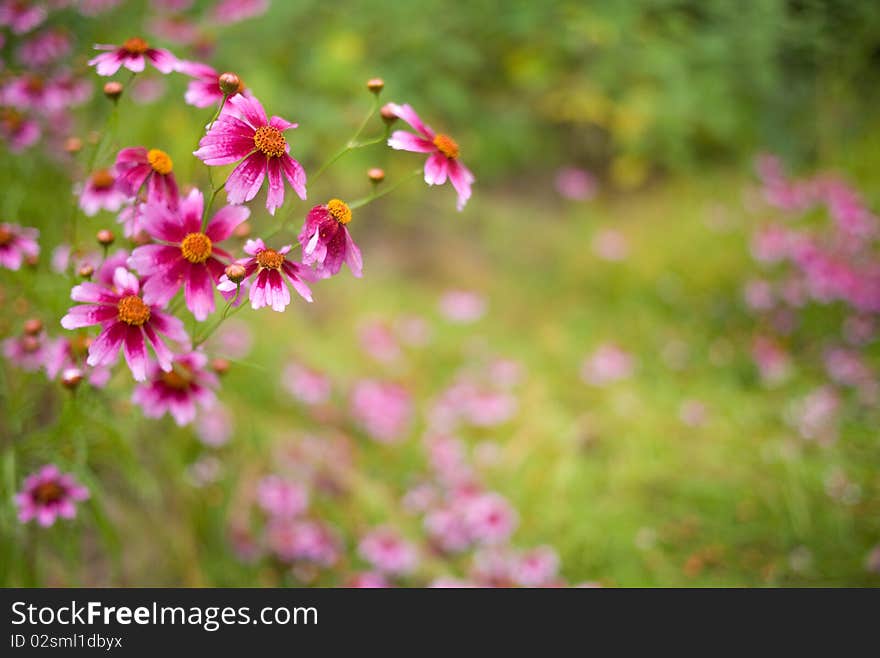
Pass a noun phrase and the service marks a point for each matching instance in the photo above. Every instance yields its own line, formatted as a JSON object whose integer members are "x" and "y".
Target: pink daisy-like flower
{"x": 443, "y": 162}
{"x": 48, "y": 494}
{"x": 306, "y": 385}
{"x": 388, "y": 552}
{"x": 133, "y": 55}
{"x": 27, "y": 351}
{"x": 326, "y": 242}
{"x": 100, "y": 193}
{"x": 178, "y": 391}
{"x": 383, "y": 409}
{"x": 16, "y": 244}
{"x": 282, "y": 498}
{"x": 271, "y": 269}
{"x": 226, "y": 12}
{"x": 21, "y": 17}
{"x": 17, "y": 130}
{"x": 188, "y": 256}
{"x": 295, "y": 539}
{"x": 126, "y": 321}
{"x": 66, "y": 354}
{"x": 367, "y": 580}
{"x": 138, "y": 165}
{"x": 490, "y": 518}
{"x": 205, "y": 90}
{"x": 44, "y": 48}
{"x": 243, "y": 132}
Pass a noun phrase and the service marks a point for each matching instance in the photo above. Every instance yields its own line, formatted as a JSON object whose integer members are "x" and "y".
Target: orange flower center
{"x": 135, "y": 46}
{"x": 102, "y": 179}
{"x": 178, "y": 379}
{"x": 340, "y": 210}
{"x": 5, "y": 236}
{"x": 270, "y": 259}
{"x": 270, "y": 141}
{"x": 11, "y": 119}
{"x": 160, "y": 161}
{"x": 35, "y": 84}
{"x": 196, "y": 247}
{"x": 133, "y": 311}
{"x": 446, "y": 145}
{"x": 48, "y": 492}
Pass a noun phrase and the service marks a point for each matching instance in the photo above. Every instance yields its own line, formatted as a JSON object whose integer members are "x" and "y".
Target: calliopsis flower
{"x": 186, "y": 255}
{"x": 326, "y": 242}
{"x": 133, "y": 54}
{"x": 271, "y": 268}
{"x": 44, "y": 48}
{"x": 49, "y": 494}
{"x": 243, "y": 132}
{"x": 64, "y": 354}
{"x": 180, "y": 391}
{"x": 100, "y": 193}
{"x": 26, "y": 351}
{"x": 126, "y": 322}
{"x": 21, "y": 17}
{"x": 383, "y": 409}
{"x": 388, "y": 552}
{"x": 138, "y": 165}
{"x": 204, "y": 90}
{"x": 17, "y": 130}
{"x": 306, "y": 385}
{"x": 17, "y": 243}
{"x": 303, "y": 540}
{"x": 282, "y": 498}
{"x": 443, "y": 162}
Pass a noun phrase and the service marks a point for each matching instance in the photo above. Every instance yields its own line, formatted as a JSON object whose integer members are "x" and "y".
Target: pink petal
{"x": 353, "y": 256}
{"x": 163, "y": 60}
{"x": 163, "y": 354}
{"x": 162, "y": 223}
{"x": 461, "y": 179}
{"x": 106, "y": 64}
{"x": 295, "y": 175}
{"x": 199, "y": 292}
{"x": 105, "y": 348}
{"x": 246, "y": 179}
{"x": 436, "y": 169}
{"x": 149, "y": 259}
{"x": 278, "y": 296}
{"x": 409, "y": 115}
{"x": 248, "y": 109}
{"x": 190, "y": 211}
{"x": 93, "y": 293}
{"x": 126, "y": 282}
{"x": 258, "y": 292}
{"x": 135, "y": 64}
{"x": 88, "y": 315}
{"x": 406, "y": 141}
{"x": 225, "y": 220}
{"x": 164, "y": 283}
{"x": 282, "y": 124}
{"x": 275, "y": 197}
{"x": 168, "y": 325}
{"x": 135, "y": 350}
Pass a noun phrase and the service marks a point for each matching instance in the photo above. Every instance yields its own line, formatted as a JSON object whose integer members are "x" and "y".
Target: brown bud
{"x": 388, "y": 115}
{"x": 141, "y": 238}
{"x": 33, "y": 326}
{"x": 376, "y": 174}
{"x": 235, "y": 272}
{"x": 230, "y": 83}
{"x": 375, "y": 85}
{"x": 71, "y": 377}
{"x": 105, "y": 237}
{"x": 32, "y": 260}
{"x": 220, "y": 366}
{"x": 86, "y": 271}
{"x": 113, "y": 90}
{"x": 73, "y": 144}
{"x": 242, "y": 230}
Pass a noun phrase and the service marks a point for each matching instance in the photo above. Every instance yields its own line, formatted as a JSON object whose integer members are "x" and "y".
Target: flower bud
{"x": 32, "y": 260}
{"x": 376, "y": 174}
{"x": 71, "y": 378}
{"x": 235, "y": 272}
{"x": 242, "y": 230}
{"x": 30, "y": 344}
{"x": 141, "y": 238}
{"x": 73, "y": 145}
{"x": 105, "y": 237}
{"x": 375, "y": 85}
{"x": 86, "y": 271}
{"x": 387, "y": 114}
{"x": 113, "y": 90}
{"x": 229, "y": 83}
{"x": 220, "y": 366}
{"x": 33, "y": 326}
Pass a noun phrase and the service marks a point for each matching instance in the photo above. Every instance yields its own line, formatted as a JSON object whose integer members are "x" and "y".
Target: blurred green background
{"x": 666, "y": 103}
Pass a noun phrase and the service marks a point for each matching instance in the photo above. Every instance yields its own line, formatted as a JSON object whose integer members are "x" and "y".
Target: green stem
{"x": 375, "y": 195}
{"x": 226, "y": 314}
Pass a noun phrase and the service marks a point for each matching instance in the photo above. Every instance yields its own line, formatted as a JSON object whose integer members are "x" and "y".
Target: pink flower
{"x": 443, "y": 161}
{"x": 16, "y": 244}
{"x": 49, "y": 494}
{"x": 126, "y": 321}
{"x": 388, "y": 552}
{"x": 378, "y": 340}
{"x": 214, "y": 426}
{"x": 308, "y": 386}
{"x": 100, "y": 193}
{"x": 771, "y": 359}
{"x": 326, "y": 241}
{"x": 535, "y": 568}
{"x": 179, "y": 390}
{"x": 243, "y": 132}
{"x": 133, "y": 55}
{"x": 204, "y": 91}
{"x": 462, "y": 306}
{"x": 45, "y": 48}
{"x": 490, "y": 519}
{"x": 137, "y": 165}
{"x": 610, "y": 245}
{"x": 187, "y": 256}
{"x": 271, "y": 269}
{"x": 575, "y": 184}
{"x": 608, "y": 364}
{"x": 21, "y": 17}
{"x": 281, "y": 498}
{"x": 27, "y": 351}
{"x": 234, "y": 11}
{"x": 17, "y": 130}
{"x": 294, "y": 539}
{"x": 383, "y": 409}
{"x": 368, "y": 580}
{"x": 65, "y": 354}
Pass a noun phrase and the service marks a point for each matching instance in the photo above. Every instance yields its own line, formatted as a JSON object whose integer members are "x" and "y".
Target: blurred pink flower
{"x": 214, "y": 426}
{"x": 611, "y": 245}
{"x": 295, "y": 539}
{"x": 382, "y": 409}
{"x": 282, "y": 498}
{"x": 462, "y": 306}
{"x": 608, "y": 364}
{"x": 308, "y": 386}
{"x": 575, "y": 184}
{"x": 773, "y": 362}
{"x": 21, "y": 17}
{"x": 100, "y": 193}
{"x": 490, "y": 519}
{"x": 49, "y": 494}
{"x": 388, "y": 552}
{"x": 537, "y": 567}
{"x": 133, "y": 54}
{"x": 234, "y": 11}
{"x": 17, "y": 243}
{"x": 379, "y": 342}
{"x": 179, "y": 391}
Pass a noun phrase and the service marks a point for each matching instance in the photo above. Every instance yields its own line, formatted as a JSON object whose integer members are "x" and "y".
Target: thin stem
{"x": 352, "y": 143}
{"x": 388, "y": 190}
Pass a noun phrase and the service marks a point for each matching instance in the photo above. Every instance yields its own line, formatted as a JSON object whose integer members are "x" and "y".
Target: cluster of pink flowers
{"x": 818, "y": 251}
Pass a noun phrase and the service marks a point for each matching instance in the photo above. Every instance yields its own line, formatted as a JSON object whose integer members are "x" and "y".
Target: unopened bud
{"x": 242, "y": 230}
{"x": 375, "y": 85}
{"x": 71, "y": 377}
{"x": 113, "y": 90}
{"x": 235, "y": 272}
{"x": 376, "y": 174}
{"x": 220, "y": 366}
{"x": 73, "y": 144}
{"x": 388, "y": 115}
{"x": 32, "y": 260}
{"x": 105, "y": 237}
{"x": 33, "y": 326}
{"x": 141, "y": 238}
{"x": 229, "y": 83}
{"x": 86, "y": 271}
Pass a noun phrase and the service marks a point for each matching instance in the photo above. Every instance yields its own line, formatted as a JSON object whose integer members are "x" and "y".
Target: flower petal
{"x": 406, "y": 141}
{"x": 225, "y": 220}
{"x": 436, "y": 169}
{"x": 246, "y": 179}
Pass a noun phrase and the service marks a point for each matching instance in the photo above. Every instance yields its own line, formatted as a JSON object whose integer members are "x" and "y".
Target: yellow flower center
{"x": 135, "y": 46}
{"x": 160, "y": 161}
{"x": 178, "y": 379}
{"x": 133, "y": 311}
{"x": 340, "y": 210}
{"x": 446, "y": 145}
{"x": 270, "y": 141}
{"x": 102, "y": 179}
{"x": 270, "y": 259}
{"x": 196, "y": 247}
{"x": 48, "y": 492}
